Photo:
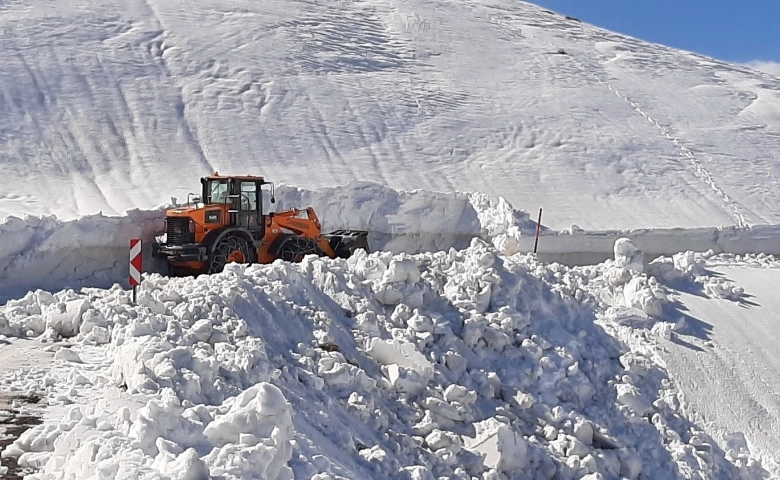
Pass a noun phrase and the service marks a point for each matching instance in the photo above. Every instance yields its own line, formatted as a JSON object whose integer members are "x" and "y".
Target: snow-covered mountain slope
{"x": 385, "y": 366}
{"x": 461, "y": 364}
{"x": 108, "y": 106}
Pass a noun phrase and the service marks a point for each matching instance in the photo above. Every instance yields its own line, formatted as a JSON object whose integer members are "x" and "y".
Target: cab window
{"x": 217, "y": 191}
{"x": 248, "y": 195}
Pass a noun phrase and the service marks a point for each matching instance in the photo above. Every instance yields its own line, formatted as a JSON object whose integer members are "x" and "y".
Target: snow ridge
{"x": 46, "y": 253}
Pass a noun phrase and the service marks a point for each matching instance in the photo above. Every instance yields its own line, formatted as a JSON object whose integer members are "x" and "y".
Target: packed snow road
{"x": 726, "y": 360}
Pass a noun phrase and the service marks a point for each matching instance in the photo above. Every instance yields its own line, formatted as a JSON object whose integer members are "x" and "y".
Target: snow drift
{"x": 460, "y": 364}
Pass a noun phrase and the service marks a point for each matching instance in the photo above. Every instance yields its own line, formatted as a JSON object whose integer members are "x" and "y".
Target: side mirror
{"x": 273, "y": 200}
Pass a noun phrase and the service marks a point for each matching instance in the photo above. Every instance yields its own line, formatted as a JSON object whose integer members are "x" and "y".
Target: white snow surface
{"x": 449, "y": 352}
{"x": 724, "y": 354}
{"x": 111, "y": 106}
{"x": 459, "y": 364}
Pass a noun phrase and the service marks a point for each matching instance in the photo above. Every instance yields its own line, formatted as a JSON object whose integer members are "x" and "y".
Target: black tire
{"x": 297, "y": 247}
{"x": 231, "y": 248}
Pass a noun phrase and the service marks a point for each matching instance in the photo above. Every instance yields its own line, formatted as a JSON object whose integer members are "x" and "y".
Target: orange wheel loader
{"x": 227, "y": 224}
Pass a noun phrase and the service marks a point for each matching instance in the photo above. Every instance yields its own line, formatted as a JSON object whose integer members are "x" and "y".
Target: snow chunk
{"x": 402, "y": 353}
{"x": 402, "y": 271}
{"x": 628, "y": 256}
{"x": 258, "y": 412}
{"x": 65, "y": 318}
{"x": 253, "y": 436}
{"x": 418, "y": 472}
{"x": 67, "y": 355}
{"x": 406, "y": 380}
{"x": 184, "y": 466}
{"x": 639, "y": 294}
{"x": 439, "y": 439}
{"x": 442, "y": 409}
{"x": 502, "y": 448}
{"x": 462, "y": 395}
{"x": 631, "y": 397}
{"x": 583, "y": 430}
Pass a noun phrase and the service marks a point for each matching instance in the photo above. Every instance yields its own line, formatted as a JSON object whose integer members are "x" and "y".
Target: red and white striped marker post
{"x": 136, "y": 263}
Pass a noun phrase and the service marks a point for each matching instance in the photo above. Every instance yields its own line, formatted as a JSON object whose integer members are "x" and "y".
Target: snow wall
{"x": 49, "y": 254}
{"x": 580, "y": 247}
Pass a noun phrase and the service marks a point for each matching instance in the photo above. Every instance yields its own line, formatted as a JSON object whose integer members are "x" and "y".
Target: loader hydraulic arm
{"x": 308, "y": 227}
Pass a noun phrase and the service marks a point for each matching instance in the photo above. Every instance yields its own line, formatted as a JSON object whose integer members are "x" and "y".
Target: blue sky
{"x": 737, "y": 31}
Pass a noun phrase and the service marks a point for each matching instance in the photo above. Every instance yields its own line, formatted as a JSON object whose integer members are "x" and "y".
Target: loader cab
{"x": 241, "y": 200}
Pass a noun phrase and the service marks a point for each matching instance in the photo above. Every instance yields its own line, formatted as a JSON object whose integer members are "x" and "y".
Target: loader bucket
{"x": 345, "y": 242}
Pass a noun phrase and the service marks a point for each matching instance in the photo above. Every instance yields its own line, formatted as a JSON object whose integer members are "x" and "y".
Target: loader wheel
{"x": 231, "y": 249}
{"x": 295, "y": 248}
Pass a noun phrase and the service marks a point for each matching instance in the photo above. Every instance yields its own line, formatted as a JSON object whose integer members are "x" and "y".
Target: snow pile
{"x": 502, "y": 223}
{"x": 620, "y": 282}
{"x": 759, "y": 260}
{"x": 412, "y": 221}
{"x": 690, "y": 267}
{"x": 397, "y": 220}
{"x": 458, "y": 364}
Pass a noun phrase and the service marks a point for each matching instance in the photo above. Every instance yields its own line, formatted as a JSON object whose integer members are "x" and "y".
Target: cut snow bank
{"x": 597, "y": 246}
{"x": 46, "y": 253}
{"x": 50, "y": 254}
{"x": 92, "y": 251}
{"x": 459, "y": 364}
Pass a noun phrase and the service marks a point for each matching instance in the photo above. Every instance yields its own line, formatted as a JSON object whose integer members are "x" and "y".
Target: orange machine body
{"x": 227, "y": 224}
